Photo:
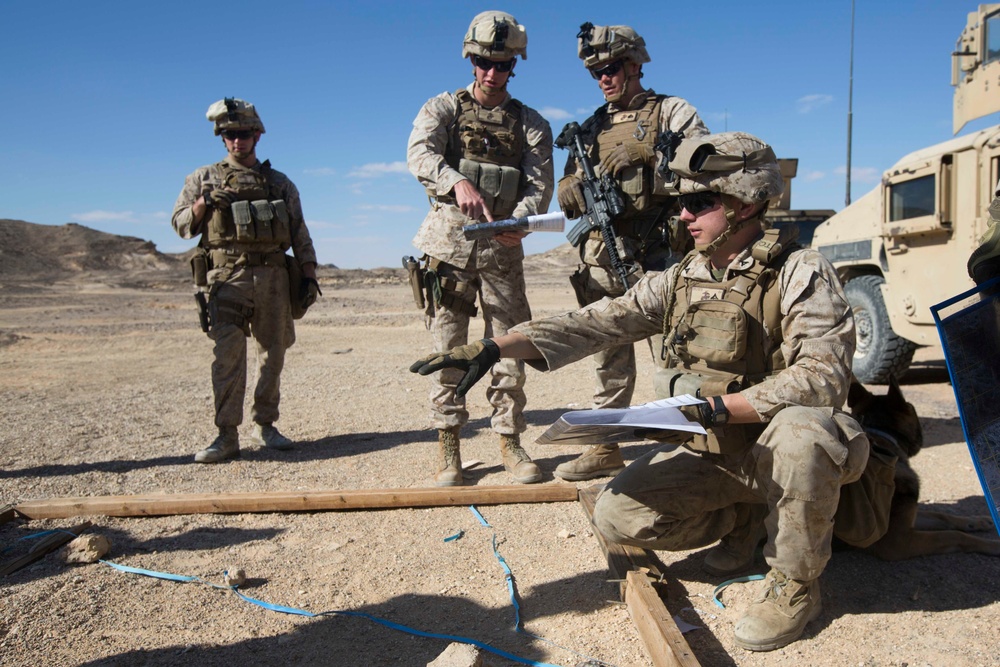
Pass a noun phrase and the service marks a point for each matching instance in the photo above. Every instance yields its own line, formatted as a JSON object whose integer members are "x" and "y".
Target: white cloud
{"x": 387, "y": 208}
{"x": 104, "y": 216}
{"x": 810, "y": 103}
{"x": 814, "y": 176}
{"x": 584, "y": 112}
{"x": 377, "y": 169}
{"x": 555, "y": 113}
{"x": 320, "y": 171}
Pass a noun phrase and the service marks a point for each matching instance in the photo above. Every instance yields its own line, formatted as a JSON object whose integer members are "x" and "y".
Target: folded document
{"x": 608, "y": 425}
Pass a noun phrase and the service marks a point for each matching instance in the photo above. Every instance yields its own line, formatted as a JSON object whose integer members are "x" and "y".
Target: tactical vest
{"x": 643, "y": 189}
{"x": 485, "y": 146}
{"x": 726, "y": 336}
{"x": 258, "y": 219}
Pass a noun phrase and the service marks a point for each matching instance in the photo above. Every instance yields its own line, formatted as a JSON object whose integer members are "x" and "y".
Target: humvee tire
{"x": 879, "y": 352}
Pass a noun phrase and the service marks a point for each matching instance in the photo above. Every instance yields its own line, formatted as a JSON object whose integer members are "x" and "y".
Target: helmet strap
{"x": 734, "y": 226}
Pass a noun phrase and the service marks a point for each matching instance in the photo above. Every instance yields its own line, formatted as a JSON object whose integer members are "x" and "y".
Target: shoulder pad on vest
{"x": 776, "y": 242}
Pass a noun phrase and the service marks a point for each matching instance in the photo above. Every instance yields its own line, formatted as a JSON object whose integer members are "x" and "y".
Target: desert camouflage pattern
{"x": 183, "y": 220}
{"x": 265, "y": 289}
{"x": 494, "y": 272}
{"x": 237, "y": 115}
{"x": 612, "y": 42}
{"x": 752, "y": 184}
{"x": 497, "y": 275}
{"x": 689, "y": 502}
{"x": 440, "y": 235}
{"x": 614, "y": 369}
{"x": 481, "y": 37}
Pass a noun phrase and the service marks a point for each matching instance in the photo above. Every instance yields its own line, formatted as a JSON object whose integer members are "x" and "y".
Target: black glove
{"x": 711, "y": 413}
{"x": 310, "y": 292}
{"x": 218, "y": 198}
{"x": 475, "y": 359}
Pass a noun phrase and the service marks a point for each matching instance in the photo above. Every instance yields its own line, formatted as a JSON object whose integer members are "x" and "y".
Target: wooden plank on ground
{"x": 302, "y": 501}
{"x": 663, "y": 639}
{"x": 637, "y": 569}
{"x": 622, "y": 558}
{"x": 45, "y": 545}
{"x": 7, "y": 513}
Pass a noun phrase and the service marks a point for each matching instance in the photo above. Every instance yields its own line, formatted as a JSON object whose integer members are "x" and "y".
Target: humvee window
{"x": 911, "y": 199}
{"x": 993, "y": 38}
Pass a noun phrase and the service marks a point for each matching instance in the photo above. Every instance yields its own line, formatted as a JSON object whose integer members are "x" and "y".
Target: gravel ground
{"x": 106, "y": 392}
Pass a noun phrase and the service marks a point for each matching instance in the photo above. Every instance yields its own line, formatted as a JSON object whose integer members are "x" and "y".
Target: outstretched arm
{"x": 477, "y": 358}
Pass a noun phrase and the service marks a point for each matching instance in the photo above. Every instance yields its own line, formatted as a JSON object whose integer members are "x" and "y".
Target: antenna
{"x": 850, "y": 112}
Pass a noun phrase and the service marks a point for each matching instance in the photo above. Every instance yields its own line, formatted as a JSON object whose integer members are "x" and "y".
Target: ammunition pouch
{"x": 199, "y": 267}
{"x": 498, "y": 185}
{"x": 444, "y": 291}
{"x": 261, "y": 221}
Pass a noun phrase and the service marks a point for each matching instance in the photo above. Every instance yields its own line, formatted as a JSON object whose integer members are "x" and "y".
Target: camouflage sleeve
{"x": 818, "y": 331}
{"x": 631, "y": 317}
{"x": 182, "y": 218}
{"x": 678, "y": 115}
{"x": 536, "y": 166}
{"x": 302, "y": 244}
{"x": 428, "y": 142}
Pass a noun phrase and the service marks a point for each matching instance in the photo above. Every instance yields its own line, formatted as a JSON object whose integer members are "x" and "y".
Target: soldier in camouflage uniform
{"x": 247, "y": 214}
{"x": 481, "y": 155}
{"x": 620, "y": 139}
{"x": 762, "y": 329}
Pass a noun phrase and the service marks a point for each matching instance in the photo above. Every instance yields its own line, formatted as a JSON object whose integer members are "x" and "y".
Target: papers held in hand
{"x": 608, "y": 425}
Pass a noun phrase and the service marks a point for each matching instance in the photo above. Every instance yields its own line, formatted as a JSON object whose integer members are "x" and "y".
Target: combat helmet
{"x": 234, "y": 114}
{"x": 731, "y": 163}
{"x": 597, "y": 45}
{"x": 496, "y": 36}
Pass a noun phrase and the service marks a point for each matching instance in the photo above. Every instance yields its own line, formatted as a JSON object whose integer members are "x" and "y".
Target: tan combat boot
{"x": 266, "y": 435}
{"x": 780, "y": 613}
{"x": 225, "y": 446}
{"x": 517, "y": 462}
{"x": 735, "y": 552}
{"x": 450, "y": 473}
{"x": 598, "y": 461}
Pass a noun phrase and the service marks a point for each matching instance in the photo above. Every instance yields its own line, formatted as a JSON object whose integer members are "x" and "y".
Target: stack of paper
{"x": 608, "y": 425}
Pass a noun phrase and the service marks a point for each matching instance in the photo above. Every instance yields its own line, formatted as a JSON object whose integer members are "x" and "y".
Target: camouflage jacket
{"x": 817, "y": 326}
{"x": 440, "y": 235}
{"x": 183, "y": 220}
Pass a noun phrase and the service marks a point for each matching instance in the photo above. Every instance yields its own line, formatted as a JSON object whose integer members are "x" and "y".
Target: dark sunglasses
{"x": 608, "y": 70}
{"x": 487, "y": 65}
{"x": 233, "y": 135}
{"x": 697, "y": 202}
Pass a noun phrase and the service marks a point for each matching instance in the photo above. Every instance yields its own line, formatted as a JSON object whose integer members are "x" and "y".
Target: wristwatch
{"x": 720, "y": 414}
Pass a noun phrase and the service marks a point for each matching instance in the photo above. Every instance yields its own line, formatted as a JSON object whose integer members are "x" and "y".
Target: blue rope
{"x": 738, "y": 580}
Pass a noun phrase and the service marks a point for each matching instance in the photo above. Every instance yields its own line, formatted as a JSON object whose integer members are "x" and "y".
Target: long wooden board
{"x": 637, "y": 570}
{"x": 282, "y": 501}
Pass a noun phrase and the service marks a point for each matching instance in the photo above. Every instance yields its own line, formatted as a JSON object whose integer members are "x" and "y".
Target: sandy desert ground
{"x": 106, "y": 391}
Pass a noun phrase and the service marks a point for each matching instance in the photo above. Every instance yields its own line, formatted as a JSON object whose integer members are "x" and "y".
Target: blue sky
{"x": 102, "y": 104}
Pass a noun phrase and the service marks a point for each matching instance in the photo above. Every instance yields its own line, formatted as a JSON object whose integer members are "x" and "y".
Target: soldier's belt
{"x": 234, "y": 257}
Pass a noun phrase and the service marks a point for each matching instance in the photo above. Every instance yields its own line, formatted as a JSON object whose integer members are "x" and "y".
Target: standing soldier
{"x": 620, "y": 139}
{"x": 247, "y": 215}
{"x": 481, "y": 155}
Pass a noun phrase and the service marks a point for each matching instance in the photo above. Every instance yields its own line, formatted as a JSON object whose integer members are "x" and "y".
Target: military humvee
{"x": 903, "y": 247}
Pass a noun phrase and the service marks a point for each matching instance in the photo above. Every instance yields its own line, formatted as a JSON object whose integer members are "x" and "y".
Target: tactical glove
{"x": 475, "y": 359}
{"x": 310, "y": 292}
{"x": 570, "y": 196}
{"x": 218, "y": 198}
{"x": 627, "y": 155}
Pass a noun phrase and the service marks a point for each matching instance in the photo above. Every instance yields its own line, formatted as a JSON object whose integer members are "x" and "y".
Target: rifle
{"x": 666, "y": 145}
{"x": 604, "y": 203}
{"x": 545, "y": 222}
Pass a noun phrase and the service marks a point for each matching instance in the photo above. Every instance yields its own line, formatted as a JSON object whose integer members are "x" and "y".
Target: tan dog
{"x": 892, "y": 423}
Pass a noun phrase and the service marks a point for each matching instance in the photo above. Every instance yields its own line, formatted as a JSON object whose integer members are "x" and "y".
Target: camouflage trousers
{"x": 675, "y": 499}
{"x": 265, "y": 290}
{"x": 496, "y": 275}
{"x": 614, "y": 367}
